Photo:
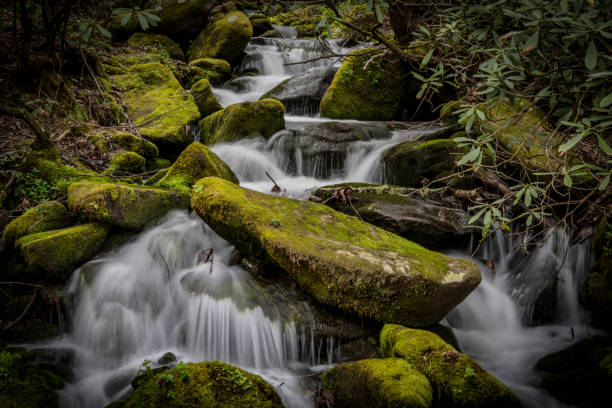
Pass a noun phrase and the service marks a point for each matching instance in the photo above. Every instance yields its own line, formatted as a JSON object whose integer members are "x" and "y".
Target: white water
{"x": 152, "y": 296}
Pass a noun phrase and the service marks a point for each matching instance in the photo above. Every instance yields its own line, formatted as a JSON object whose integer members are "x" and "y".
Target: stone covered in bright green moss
{"x": 580, "y": 374}
{"x": 260, "y": 23}
{"x": 408, "y": 163}
{"x": 133, "y": 143}
{"x": 126, "y": 163}
{"x": 24, "y": 385}
{"x": 456, "y": 379}
{"x": 378, "y": 383}
{"x": 44, "y": 217}
{"x": 373, "y": 93}
{"x": 58, "y": 252}
{"x": 205, "y": 98}
{"x": 243, "y": 120}
{"x": 217, "y": 71}
{"x": 206, "y": 384}
{"x": 226, "y": 38}
{"x": 157, "y": 104}
{"x": 157, "y": 41}
{"x": 195, "y": 162}
{"x": 123, "y": 205}
{"x": 339, "y": 260}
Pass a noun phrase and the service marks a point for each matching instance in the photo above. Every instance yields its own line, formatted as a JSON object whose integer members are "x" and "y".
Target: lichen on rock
{"x": 341, "y": 261}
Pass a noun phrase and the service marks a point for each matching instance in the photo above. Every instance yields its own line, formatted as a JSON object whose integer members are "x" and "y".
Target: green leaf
{"x": 125, "y": 19}
{"x": 604, "y": 183}
{"x": 469, "y": 157}
{"x": 427, "y": 57}
{"x": 606, "y": 101}
{"x": 121, "y": 11}
{"x": 532, "y": 42}
{"x": 104, "y": 31}
{"x": 528, "y": 198}
{"x": 567, "y": 180}
{"x": 151, "y": 17}
{"x": 87, "y": 33}
{"x": 144, "y": 24}
{"x": 476, "y": 216}
{"x": 379, "y": 14}
{"x": 590, "y": 59}
{"x": 571, "y": 143}
{"x": 604, "y": 146}
{"x": 320, "y": 24}
{"x": 529, "y": 220}
{"x": 487, "y": 219}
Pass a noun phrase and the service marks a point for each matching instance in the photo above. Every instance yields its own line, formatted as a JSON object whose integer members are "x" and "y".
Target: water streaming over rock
{"x": 154, "y": 294}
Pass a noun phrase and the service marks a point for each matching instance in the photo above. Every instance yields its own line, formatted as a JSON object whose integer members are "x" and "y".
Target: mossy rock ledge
{"x": 205, "y": 98}
{"x": 157, "y": 104}
{"x": 58, "y": 252}
{"x": 456, "y": 379}
{"x": 123, "y": 205}
{"x": 217, "y": 71}
{"x": 243, "y": 120}
{"x": 378, "y": 383}
{"x": 339, "y": 260}
{"x": 157, "y": 41}
{"x": 195, "y": 162}
{"x": 429, "y": 222}
{"x": 371, "y": 94}
{"x": 44, "y": 217}
{"x": 226, "y": 38}
{"x": 206, "y": 384}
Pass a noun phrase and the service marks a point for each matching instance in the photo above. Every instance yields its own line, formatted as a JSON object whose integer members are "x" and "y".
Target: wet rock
{"x": 429, "y": 222}
{"x": 226, "y": 38}
{"x": 456, "y": 379}
{"x": 195, "y": 162}
{"x": 57, "y": 361}
{"x": 44, "y": 217}
{"x": 580, "y": 374}
{"x": 158, "y": 105}
{"x": 261, "y": 24}
{"x": 243, "y": 120}
{"x": 167, "y": 358}
{"x": 373, "y": 93}
{"x": 302, "y": 93}
{"x": 378, "y": 383}
{"x": 123, "y": 205}
{"x": 340, "y": 261}
{"x": 206, "y": 384}
{"x": 58, "y": 252}
{"x": 204, "y": 98}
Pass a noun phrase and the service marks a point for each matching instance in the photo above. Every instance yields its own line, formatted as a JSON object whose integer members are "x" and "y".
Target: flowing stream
{"x": 158, "y": 293}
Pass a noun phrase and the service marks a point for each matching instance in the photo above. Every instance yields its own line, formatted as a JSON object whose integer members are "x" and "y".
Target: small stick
{"x": 276, "y": 188}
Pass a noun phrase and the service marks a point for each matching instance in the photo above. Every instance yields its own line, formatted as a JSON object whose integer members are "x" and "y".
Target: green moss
{"x": 409, "y": 162}
{"x": 206, "y": 384}
{"x": 217, "y": 71}
{"x": 133, "y": 143}
{"x": 339, "y": 260}
{"x": 25, "y": 385}
{"x": 99, "y": 141}
{"x": 260, "y": 23}
{"x": 390, "y": 382}
{"x": 158, "y": 41}
{"x": 158, "y": 163}
{"x": 226, "y": 38}
{"x": 44, "y": 217}
{"x": 457, "y": 380}
{"x": 204, "y": 98}
{"x": 157, "y": 104}
{"x": 195, "y": 162}
{"x": 127, "y": 162}
{"x": 123, "y": 205}
{"x": 373, "y": 93}
{"x": 58, "y": 252}
{"x": 243, "y": 120}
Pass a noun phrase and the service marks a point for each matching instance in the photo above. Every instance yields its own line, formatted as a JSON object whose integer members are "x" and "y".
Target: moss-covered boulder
{"x": 58, "y": 252}
{"x": 44, "y": 217}
{"x": 596, "y": 291}
{"x": 373, "y": 93}
{"x": 123, "y": 205}
{"x": 195, "y": 162}
{"x": 243, "y": 120}
{"x": 217, "y": 71}
{"x": 226, "y": 38}
{"x": 456, "y": 379}
{"x": 126, "y": 163}
{"x": 204, "y": 98}
{"x": 158, "y": 41}
{"x": 378, "y": 383}
{"x": 260, "y": 23}
{"x": 427, "y": 221}
{"x": 133, "y": 143}
{"x": 581, "y": 374}
{"x": 206, "y": 384}
{"x": 408, "y": 163}
{"x": 158, "y": 163}
{"x": 157, "y": 104}
{"x": 23, "y": 384}
{"x": 339, "y": 260}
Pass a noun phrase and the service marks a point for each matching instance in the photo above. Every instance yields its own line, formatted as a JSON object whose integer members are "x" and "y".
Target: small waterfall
{"x": 156, "y": 295}
{"x": 492, "y": 324}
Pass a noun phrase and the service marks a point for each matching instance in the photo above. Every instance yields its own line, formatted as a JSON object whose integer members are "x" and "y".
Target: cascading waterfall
{"x": 155, "y": 294}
